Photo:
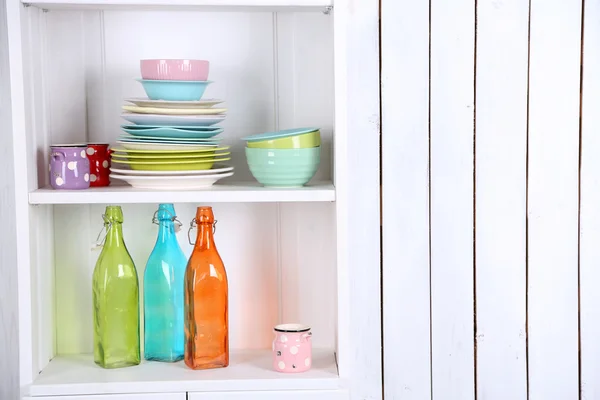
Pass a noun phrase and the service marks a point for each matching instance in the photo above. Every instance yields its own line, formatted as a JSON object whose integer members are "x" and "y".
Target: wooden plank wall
{"x": 491, "y": 191}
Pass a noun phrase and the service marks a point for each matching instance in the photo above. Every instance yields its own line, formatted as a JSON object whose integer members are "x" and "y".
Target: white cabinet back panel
{"x": 271, "y": 75}
{"x": 278, "y": 259}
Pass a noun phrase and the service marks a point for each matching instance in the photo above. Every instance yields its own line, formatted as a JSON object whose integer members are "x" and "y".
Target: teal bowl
{"x": 283, "y": 167}
{"x": 174, "y": 90}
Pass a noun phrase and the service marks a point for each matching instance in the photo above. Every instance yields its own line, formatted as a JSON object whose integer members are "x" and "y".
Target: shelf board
{"x": 225, "y": 193}
{"x": 237, "y": 5}
{"x": 248, "y": 370}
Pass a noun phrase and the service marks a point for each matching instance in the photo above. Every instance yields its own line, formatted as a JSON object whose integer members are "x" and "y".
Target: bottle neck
{"x": 205, "y": 239}
{"x": 114, "y": 235}
{"x": 166, "y": 231}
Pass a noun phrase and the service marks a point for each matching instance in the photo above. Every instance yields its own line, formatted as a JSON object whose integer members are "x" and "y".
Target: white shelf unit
{"x": 235, "y": 192}
{"x": 307, "y": 255}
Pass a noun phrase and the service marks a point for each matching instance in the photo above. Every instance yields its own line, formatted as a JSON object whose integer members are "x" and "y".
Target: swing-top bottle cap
{"x": 114, "y": 214}
{"x": 204, "y": 215}
{"x": 166, "y": 211}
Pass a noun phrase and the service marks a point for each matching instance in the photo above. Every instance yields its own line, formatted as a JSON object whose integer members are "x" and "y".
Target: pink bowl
{"x": 175, "y": 70}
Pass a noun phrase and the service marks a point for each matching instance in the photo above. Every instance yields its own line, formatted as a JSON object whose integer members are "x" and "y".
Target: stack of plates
{"x": 170, "y": 140}
{"x": 171, "y": 169}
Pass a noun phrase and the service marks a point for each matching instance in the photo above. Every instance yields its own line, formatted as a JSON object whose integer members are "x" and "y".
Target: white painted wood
{"x": 308, "y": 268}
{"x": 248, "y": 370}
{"x": 452, "y": 77}
{"x": 9, "y": 313}
{"x": 20, "y": 128}
{"x": 501, "y": 166}
{"x": 357, "y": 136}
{"x": 231, "y": 193}
{"x": 101, "y": 4}
{"x": 589, "y": 217}
{"x": 146, "y": 396}
{"x": 555, "y": 50}
{"x": 405, "y": 172}
{"x": 275, "y": 395}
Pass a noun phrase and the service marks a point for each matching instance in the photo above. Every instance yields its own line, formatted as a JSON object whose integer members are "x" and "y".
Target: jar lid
{"x": 278, "y": 134}
{"x": 292, "y": 328}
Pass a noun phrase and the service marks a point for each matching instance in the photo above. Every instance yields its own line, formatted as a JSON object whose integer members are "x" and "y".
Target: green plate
{"x": 123, "y": 150}
{"x": 168, "y": 157}
{"x": 194, "y": 165}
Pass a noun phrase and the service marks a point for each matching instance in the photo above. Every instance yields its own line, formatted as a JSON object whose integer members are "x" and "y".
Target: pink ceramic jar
{"x": 174, "y": 70}
{"x": 292, "y": 348}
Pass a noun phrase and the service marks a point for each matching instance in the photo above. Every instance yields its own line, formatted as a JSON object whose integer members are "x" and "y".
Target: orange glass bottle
{"x": 206, "y": 307}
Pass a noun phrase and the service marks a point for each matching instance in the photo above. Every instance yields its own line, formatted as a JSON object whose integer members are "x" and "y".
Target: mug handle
{"x": 109, "y": 151}
{"x": 58, "y": 155}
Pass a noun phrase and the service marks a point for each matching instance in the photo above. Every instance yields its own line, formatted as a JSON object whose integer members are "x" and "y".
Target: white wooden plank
{"x": 307, "y": 261}
{"x": 275, "y": 395}
{"x": 501, "y": 167}
{"x": 357, "y": 137}
{"x": 245, "y": 4}
{"x": 230, "y": 193}
{"x": 589, "y": 217}
{"x": 405, "y": 172}
{"x": 9, "y": 314}
{"x": 452, "y": 77}
{"x": 16, "y": 16}
{"x": 554, "y": 90}
{"x": 248, "y": 370}
{"x": 146, "y": 396}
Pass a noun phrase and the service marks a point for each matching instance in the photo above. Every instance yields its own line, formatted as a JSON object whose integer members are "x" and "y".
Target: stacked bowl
{"x": 170, "y": 139}
{"x": 288, "y": 158}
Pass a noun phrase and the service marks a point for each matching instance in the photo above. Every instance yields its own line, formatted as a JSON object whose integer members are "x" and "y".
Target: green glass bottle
{"x": 116, "y": 299}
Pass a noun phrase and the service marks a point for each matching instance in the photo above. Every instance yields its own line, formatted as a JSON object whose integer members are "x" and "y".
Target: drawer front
{"x": 273, "y": 395}
{"x": 144, "y": 396}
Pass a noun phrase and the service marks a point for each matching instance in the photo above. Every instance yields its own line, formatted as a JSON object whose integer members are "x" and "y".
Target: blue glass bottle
{"x": 163, "y": 292}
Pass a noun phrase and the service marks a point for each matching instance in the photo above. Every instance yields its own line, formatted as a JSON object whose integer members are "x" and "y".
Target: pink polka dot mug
{"x": 292, "y": 348}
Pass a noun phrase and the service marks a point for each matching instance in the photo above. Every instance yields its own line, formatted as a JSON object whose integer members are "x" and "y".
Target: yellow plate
{"x": 171, "y": 166}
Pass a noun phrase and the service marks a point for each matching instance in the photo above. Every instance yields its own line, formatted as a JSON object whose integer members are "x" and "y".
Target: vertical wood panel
{"x": 9, "y": 338}
{"x": 405, "y": 164}
{"x": 553, "y": 199}
{"x": 501, "y": 147}
{"x": 357, "y": 137}
{"x": 590, "y": 207}
{"x": 452, "y": 102}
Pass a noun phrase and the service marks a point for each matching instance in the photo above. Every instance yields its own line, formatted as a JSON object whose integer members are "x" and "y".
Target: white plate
{"x": 163, "y": 120}
{"x": 189, "y": 182}
{"x": 174, "y": 111}
{"x": 144, "y": 102}
{"x": 217, "y": 169}
{"x": 163, "y": 147}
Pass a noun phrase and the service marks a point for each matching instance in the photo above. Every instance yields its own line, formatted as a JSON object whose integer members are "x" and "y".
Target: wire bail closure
{"x": 193, "y": 225}
{"x": 173, "y": 219}
{"x": 100, "y": 243}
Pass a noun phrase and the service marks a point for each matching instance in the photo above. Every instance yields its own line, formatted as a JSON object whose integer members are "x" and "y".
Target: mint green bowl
{"x": 283, "y": 167}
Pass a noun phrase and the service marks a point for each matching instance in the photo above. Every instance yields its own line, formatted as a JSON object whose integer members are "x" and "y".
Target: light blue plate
{"x": 158, "y": 141}
{"x": 167, "y": 140}
{"x": 171, "y": 132}
{"x": 163, "y": 139}
{"x": 278, "y": 134}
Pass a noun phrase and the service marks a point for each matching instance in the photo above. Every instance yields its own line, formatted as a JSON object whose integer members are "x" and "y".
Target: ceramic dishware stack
{"x": 288, "y": 158}
{"x": 170, "y": 138}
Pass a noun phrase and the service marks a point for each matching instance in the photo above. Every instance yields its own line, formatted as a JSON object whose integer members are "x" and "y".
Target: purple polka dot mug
{"x": 69, "y": 167}
{"x": 292, "y": 348}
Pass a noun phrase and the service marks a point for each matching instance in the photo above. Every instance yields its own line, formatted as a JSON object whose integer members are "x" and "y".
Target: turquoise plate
{"x": 159, "y": 141}
{"x": 172, "y": 131}
{"x": 278, "y": 134}
{"x": 169, "y": 139}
